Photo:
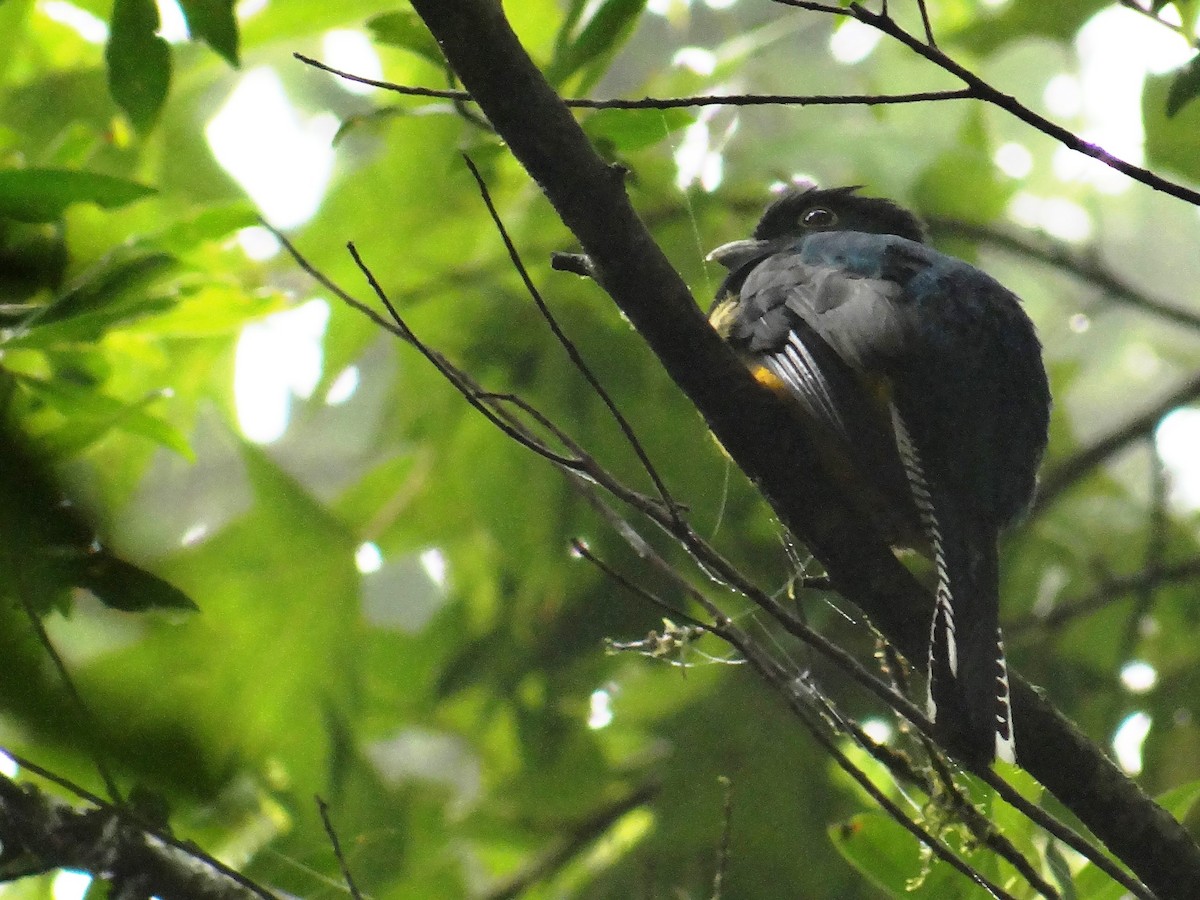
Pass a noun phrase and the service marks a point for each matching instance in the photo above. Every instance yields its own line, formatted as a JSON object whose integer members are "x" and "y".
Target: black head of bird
{"x": 800, "y": 211}
{"x": 921, "y": 380}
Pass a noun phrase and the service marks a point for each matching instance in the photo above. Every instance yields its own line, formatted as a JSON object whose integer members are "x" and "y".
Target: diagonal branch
{"x": 796, "y": 689}
{"x": 1110, "y": 590}
{"x": 109, "y": 843}
{"x": 759, "y": 432}
{"x": 1064, "y": 475}
{"x": 572, "y": 351}
{"x": 984, "y": 91}
{"x": 1082, "y": 264}
{"x": 716, "y": 567}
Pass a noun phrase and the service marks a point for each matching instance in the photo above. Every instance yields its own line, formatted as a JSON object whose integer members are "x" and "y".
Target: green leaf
{"x": 128, "y": 277}
{"x": 87, "y": 327}
{"x": 1187, "y": 9}
{"x": 879, "y": 848}
{"x": 1060, "y": 869}
{"x": 89, "y": 415}
{"x": 1026, "y": 18}
{"x": 213, "y": 22}
{"x": 287, "y": 23}
{"x": 1178, "y": 801}
{"x": 889, "y": 855}
{"x": 14, "y": 23}
{"x": 277, "y": 644}
{"x": 122, "y": 585}
{"x": 963, "y": 182}
{"x": 209, "y": 224}
{"x": 1185, "y": 87}
{"x": 403, "y": 28}
{"x": 1170, "y": 141}
{"x": 139, "y": 62}
{"x": 591, "y": 46}
{"x": 627, "y": 130}
{"x": 42, "y": 195}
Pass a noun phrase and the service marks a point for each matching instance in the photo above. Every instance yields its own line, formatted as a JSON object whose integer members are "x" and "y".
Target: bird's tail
{"x": 968, "y": 677}
{"x": 968, "y": 692}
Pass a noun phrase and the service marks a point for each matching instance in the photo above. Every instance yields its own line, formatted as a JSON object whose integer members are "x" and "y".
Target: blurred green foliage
{"x": 446, "y": 719}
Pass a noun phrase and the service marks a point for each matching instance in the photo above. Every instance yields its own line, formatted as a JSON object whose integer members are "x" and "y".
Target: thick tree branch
{"x": 760, "y": 432}
{"x": 669, "y": 518}
{"x": 40, "y": 834}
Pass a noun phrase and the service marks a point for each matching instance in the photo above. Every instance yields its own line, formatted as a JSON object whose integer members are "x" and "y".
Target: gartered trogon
{"x": 923, "y": 380}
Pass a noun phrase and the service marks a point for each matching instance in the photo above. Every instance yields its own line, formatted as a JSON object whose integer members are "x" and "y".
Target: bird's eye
{"x": 817, "y": 217}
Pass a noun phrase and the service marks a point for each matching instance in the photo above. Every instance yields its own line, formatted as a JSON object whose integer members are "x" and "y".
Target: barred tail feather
{"x": 968, "y": 692}
{"x": 1006, "y": 741}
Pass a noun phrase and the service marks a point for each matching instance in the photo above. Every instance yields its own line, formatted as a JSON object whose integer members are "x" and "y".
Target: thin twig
{"x": 331, "y": 833}
{"x": 821, "y": 7}
{"x": 573, "y": 838}
{"x": 1109, "y": 591}
{"x": 726, "y": 834}
{"x": 399, "y": 328}
{"x": 84, "y": 711}
{"x": 487, "y": 403}
{"x": 783, "y": 681}
{"x": 583, "y": 551}
{"x": 713, "y": 563}
{"x": 925, "y": 23}
{"x": 1085, "y": 265}
{"x": 709, "y": 560}
{"x": 849, "y": 665}
{"x": 460, "y": 96}
{"x": 572, "y": 351}
{"x": 951, "y": 797}
{"x": 776, "y": 676}
{"x": 588, "y": 463}
{"x": 981, "y": 90}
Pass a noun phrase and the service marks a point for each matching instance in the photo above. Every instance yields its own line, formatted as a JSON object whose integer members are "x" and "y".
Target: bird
{"x": 922, "y": 382}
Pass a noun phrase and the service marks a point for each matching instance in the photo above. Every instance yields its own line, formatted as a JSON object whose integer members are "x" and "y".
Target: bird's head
{"x": 804, "y": 209}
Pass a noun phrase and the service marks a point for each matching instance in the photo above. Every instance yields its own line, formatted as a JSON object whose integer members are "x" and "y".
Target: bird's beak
{"x": 736, "y": 254}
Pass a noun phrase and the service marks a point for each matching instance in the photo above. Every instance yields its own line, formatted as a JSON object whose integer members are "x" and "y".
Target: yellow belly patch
{"x": 769, "y": 379}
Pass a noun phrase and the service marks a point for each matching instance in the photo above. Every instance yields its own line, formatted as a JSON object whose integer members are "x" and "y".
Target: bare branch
{"x": 720, "y": 569}
{"x": 1110, "y": 591}
{"x": 573, "y": 353}
{"x": 575, "y": 838}
{"x": 759, "y": 430}
{"x": 84, "y": 711}
{"x": 1069, "y": 471}
{"x": 1084, "y": 264}
{"x": 982, "y": 90}
{"x": 110, "y": 843}
{"x": 925, "y": 23}
{"x": 331, "y": 833}
{"x": 666, "y": 102}
{"x": 800, "y": 697}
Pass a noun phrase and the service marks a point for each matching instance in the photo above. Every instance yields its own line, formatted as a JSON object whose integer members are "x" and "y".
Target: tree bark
{"x": 762, "y": 435}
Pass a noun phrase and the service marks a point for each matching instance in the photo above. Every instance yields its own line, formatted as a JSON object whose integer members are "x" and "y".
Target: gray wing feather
{"x": 865, "y": 320}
